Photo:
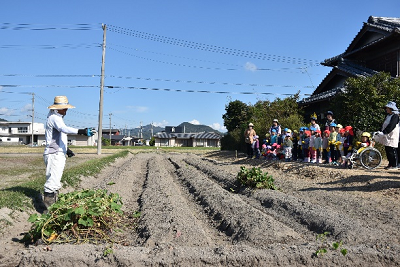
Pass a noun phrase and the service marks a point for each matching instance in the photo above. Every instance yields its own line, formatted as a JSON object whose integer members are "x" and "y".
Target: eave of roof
{"x": 321, "y": 96}
{"x": 344, "y": 66}
{"x": 389, "y": 25}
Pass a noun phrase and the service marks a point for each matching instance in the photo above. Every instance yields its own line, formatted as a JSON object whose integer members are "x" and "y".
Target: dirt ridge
{"x": 191, "y": 217}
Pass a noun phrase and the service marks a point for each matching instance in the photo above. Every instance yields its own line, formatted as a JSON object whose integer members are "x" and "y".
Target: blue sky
{"x": 175, "y": 77}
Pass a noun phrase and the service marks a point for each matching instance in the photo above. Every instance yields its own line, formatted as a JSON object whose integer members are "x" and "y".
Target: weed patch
{"x": 325, "y": 246}
{"x": 255, "y": 178}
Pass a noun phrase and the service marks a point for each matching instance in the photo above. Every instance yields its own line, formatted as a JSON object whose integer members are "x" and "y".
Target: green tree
{"x": 105, "y": 141}
{"x": 237, "y": 115}
{"x": 261, "y": 114}
{"x": 152, "y": 141}
{"x": 362, "y": 104}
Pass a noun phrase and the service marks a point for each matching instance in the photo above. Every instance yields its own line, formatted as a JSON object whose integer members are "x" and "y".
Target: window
{"x": 22, "y": 129}
{"x": 200, "y": 142}
{"x": 164, "y": 142}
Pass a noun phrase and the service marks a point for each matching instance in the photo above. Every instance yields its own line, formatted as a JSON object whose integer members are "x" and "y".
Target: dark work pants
{"x": 391, "y": 154}
{"x": 333, "y": 153}
{"x": 398, "y": 153}
{"x": 249, "y": 150}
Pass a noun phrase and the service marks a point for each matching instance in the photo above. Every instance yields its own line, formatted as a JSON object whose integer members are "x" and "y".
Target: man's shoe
{"x": 49, "y": 199}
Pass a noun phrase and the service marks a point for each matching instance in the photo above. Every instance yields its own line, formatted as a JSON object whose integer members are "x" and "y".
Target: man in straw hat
{"x": 56, "y": 147}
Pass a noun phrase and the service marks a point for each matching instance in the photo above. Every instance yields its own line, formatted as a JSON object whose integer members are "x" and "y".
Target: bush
{"x": 255, "y": 178}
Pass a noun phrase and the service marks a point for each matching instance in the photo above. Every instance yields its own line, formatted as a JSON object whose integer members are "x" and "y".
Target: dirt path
{"x": 193, "y": 213}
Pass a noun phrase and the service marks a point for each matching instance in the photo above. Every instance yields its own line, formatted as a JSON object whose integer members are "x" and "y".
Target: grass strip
{"x": 23, "y": 196}
{"x": 72, "y": 176}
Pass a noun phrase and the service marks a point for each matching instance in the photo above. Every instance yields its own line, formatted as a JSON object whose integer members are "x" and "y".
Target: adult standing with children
{"x": 275, "y": 126}
{"x": 329, "y": 120}
{"x": 249, "y": 135}
{"x": 389, "y": 135}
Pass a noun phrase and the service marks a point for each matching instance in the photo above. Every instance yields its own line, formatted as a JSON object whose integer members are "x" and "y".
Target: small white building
{"x": 14, "y": 133}
{"x": 187, "y": 139}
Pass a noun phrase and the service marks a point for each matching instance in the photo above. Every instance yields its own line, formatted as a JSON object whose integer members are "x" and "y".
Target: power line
{"x": 46, "y": 27}
{"x": 151, "y": 89}
{"x": 196, "y": 91}
{"x": 212, "y": 48}
{"x": 49, "y": 46}
{"x": 151, "y": 79}
{"x": 170, "y": 63}
{"x": 202, "y": 60}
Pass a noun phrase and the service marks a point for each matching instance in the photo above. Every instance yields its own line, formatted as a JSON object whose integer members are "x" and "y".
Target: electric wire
{"x": 150, "y": 79}
{"x": 211, "y": 48}
{"x": 45, "y": 27}
{"x": 202, "y": 60}
{"x": 152, "y": 89}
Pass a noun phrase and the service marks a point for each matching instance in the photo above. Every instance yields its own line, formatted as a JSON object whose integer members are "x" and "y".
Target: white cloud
{"x": 161, "y": 124}
{"x": 6, "y": 112}
{"x": 195, "y": 122}
{"x": 138, "y": 109}
{"x": 218, "y": 127}
{"x": 27, "y": 108}
{"x": 250, "y": 66}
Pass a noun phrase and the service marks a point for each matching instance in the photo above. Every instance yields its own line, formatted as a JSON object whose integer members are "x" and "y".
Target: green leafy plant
{"x": 78, "y": 217}
{"x": 324, "y": 247}
{"x": 108, "y": 251}
{"x": 255, "y": 178}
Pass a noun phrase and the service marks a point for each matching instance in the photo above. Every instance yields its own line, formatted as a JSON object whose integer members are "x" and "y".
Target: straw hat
{"x": 61, "y": 102}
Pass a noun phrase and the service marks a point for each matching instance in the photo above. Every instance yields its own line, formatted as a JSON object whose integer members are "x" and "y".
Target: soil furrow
{"x": 166, "y": 218}
{"x": 236, "y": 218}
{"x": 191, "y": 217}
{"x": 291, "y": 210}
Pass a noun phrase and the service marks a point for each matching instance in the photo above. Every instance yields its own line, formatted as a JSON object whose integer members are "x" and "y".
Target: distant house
{"x": 112, "y": 132}
{"x": 187, "y": 139}
{"x": 13, "y": 133}
{"x": 375, "y": 48}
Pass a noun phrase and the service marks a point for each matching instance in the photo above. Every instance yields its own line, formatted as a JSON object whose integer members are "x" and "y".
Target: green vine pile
{"x": 78, "y": 217}
{"x": 255, "y": 178}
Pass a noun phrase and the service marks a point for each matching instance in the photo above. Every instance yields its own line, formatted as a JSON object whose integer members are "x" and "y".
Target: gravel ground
{"x": 193, "y": 213}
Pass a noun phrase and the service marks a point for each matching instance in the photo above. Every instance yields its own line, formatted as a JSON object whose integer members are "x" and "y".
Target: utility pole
{"x": 141, "y": 131}
{"x": 151, "y": 130}
{"x": 110, "y": 126}
{"x": 33, "y": 114}
{"x": 100, "y": 130}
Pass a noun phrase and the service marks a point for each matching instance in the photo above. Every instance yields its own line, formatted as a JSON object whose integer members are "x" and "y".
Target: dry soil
{"x": 193, "y": 213}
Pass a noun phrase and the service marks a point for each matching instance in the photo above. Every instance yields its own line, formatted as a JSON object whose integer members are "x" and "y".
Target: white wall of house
{"x": 158, "y": 142}
{"x": 21, "y": 133}
{"x": 8, "y": 140}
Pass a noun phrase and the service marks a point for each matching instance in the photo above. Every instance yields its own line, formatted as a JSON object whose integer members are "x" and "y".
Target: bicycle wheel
{"x": 370, "y": 158}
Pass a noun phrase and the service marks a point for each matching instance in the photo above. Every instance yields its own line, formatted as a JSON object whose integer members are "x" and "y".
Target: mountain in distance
{"x": 197, "y": 128}
{"x": 189, "y": 128}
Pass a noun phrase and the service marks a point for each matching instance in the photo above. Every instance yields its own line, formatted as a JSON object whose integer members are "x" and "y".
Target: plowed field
{"x": 194, "y": 214}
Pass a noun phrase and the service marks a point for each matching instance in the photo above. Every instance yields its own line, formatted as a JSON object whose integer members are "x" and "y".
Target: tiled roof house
{"x": 187, "y": 139}
{"x": 375, "y": 48}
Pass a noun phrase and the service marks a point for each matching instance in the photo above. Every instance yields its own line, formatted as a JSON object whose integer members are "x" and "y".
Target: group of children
{"x": 332, "y": 146}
